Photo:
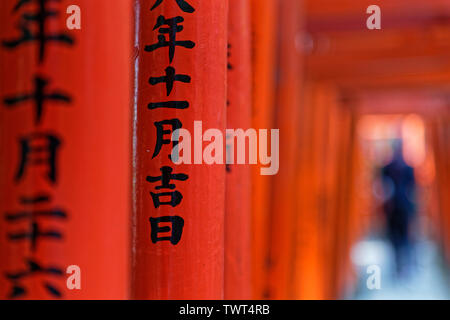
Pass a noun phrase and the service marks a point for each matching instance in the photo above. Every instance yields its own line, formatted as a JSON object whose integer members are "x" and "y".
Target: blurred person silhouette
{"x": 399, "y": 207}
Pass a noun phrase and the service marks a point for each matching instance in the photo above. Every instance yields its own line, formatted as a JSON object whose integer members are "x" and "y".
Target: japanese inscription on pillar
{"x": 170, "y": 42}
{"x": 38, "y": 217}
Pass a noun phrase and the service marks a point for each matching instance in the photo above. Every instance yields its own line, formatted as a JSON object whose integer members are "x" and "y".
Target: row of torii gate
{"x": 308, "y": 68}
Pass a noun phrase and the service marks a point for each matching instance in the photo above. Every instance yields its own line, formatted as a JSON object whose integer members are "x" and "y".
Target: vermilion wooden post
{"x": 64, "y": 173}
{"x": 178, "y": 221}
{"x": 439, "y": 134}
{"x": 343, "y": 194}
{"x": 282, "y": 221}
{"x": 264, "y": 19}
{"x": 335, "y": 115}
{"x": 445, "y": 154}
{"x": 312, "y": 203}
{"x": 238, "y": 189}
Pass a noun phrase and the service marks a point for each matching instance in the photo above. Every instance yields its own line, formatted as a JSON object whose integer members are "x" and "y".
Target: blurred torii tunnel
{"x": 363, "y": 91}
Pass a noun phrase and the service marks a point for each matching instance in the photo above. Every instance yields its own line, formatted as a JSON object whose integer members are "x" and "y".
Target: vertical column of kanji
{"x": 264, "y": 24}
{"x": 238, "y": 189}
{"x": 181, "y": 58}
{"x": 283, "y": 215}
{"x": 64, "y": 182}
{"x": 34, "y": 219}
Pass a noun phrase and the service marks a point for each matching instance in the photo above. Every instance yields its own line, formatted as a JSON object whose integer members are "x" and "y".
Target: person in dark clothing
{"x": 399, "y": 208}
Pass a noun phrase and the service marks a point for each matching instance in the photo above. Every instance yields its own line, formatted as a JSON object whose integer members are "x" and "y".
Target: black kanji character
{"x": 40, "y": 18}
{"x": 160, "y": 132}
{"x": 33, "y": 267}
{"x": 176, "y": 230}
{"x": 35, "y": 232}
{"x": 166, "y": 178}
{"x": 172, "y": 30}
{"x": 44, "y": 154}
{"x": 39, "y": 96}
{"x": 186, "y": 7}
{"x": 169, "y": 79}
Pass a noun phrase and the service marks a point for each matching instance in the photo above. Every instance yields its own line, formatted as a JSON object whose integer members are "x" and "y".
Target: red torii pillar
{"x": 238, "y": 189}
{"x": 64, "y": 174}
{"x": 264, "y": 17}
{"x": 178, "y": 243}
{"x": 283, "y": 213}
